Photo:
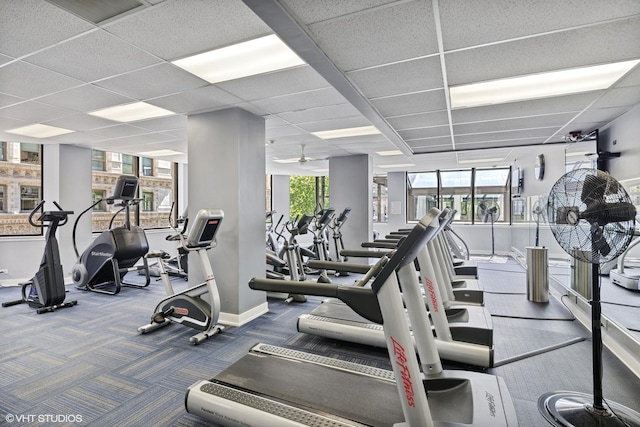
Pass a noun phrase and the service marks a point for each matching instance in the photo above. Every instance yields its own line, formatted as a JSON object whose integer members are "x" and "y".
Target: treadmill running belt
{"x": 356, "y": 397}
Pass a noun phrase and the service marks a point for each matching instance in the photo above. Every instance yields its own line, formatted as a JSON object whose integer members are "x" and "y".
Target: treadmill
{"x": 463, "y": 334}
{"x": 282, "y": 387}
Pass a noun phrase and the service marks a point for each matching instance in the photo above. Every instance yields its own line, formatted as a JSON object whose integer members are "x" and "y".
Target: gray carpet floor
{"x": 89, "y": 364}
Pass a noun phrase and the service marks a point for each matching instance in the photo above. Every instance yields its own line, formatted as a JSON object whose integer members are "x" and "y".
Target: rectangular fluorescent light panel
{"x": 399, "y": 165}
{"x": 389, "y": 153}
{"x": 249, "y": 58}
{"x": 492, "y": 159}
{"x": 343, "y": 133}
{"x": 159, "y": 153}
{"x": 131, "y": 112}
{"x": 543, "y": 85}
{"x": 40, "y": 131}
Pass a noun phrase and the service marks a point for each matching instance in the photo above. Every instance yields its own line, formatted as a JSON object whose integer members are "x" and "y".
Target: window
{"x": 380, "y": 199}
{"x": 20, "y": 187}
{"x": 147, "y": 201}
{"x": 307, "y": 193}
{"x": 422, "y": 194}
{"x": 269, "y": 194}
{"x": 30, "y": 153}
{"x": 98, "y": 195}
{"x": 156, "y": 188}
{"x": 146, "y": 166}
{"x": 477, "y": 195}
{"x": 29, "y": 197}
{"x": 163, "y": 169}
{"x": 491, "y": 193}
{"x": 98, "y": 160}
{"x": 455, "y": 193}
{"x": 128, "y": 165}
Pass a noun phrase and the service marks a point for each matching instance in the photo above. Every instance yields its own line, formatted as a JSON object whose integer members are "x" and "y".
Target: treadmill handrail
{"x": 361, "y": 300}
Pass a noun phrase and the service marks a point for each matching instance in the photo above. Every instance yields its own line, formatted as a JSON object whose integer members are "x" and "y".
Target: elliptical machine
{"x": 189, "y": 307}
{"x": 115, "y": 252}
{"x": 46, "y": 288}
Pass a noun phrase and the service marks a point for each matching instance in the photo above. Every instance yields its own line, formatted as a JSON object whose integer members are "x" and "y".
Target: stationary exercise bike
{"x": 115, "y": 252}
{"x": 176, "y": 265}
{"x": 46, "y": 288}
{"x": 189, "y": 307}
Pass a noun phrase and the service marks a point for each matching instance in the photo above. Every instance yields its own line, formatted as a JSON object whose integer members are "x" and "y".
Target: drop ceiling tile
{"x": 120, "y": 131}
{"x": 159, "y": 124}
{"x": 546, "y": 120}
{"x": 320, "y": 113}
{"x": 281, "y": 131}
{"x": 80, "y": 122}
{"x": 301, "y": 101}
{"x": 582, "y": 47}
{"x": 498, "y": 144}
{"x": 4, "y": 59}
{"x": 433, "y": 144}
{"x": 309, "y": 11}
{"x": 174, "y": 30}
{"x": 180, "y": 134}
{"x": 624, "y": 96}
{"x": 6, "y": 100}
{"x": 46, "y": 26}
{"x": 147, "y": 138}
{"x": 427, "y": 132}
{"x": 292, "y": 80}
{"x": 412, "y": 103}
{"x": 348, "y": 122}
{"x": 34, "y": 112}
{"x": 487, "y": 21}
{"x": 632, "y": 78}
{"x": 404, "y": 77}
{"x": 271, "y": 121}
{"x": 250, "y": 107}
{"x": 207, "y": 98}
{"x": 80, "y": 138}
{"x": 600, "y": 115}
{"x": 372, "y": 38}
{"x": 7, "y": 123}
{"x": 85, "y": 98}
{"x": 434, "y": 118}
{"x": 541, "y": 134}
{"x": 93, "y": 56}
{"x": 28, "y": 81}
{"x": 536, "y": 107}
{"x": 152, "y": 82}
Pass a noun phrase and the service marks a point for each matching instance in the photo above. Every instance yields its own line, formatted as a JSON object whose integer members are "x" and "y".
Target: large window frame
{"x": 157, "y": 192}
{"x": 458, "y": 189}
{"x": 21, "y": 181}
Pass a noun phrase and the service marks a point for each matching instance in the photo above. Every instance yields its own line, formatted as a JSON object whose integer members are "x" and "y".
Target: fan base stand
{"x": 569, "y": 409}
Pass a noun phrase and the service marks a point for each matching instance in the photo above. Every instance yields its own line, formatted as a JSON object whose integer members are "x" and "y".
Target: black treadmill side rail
{"x": 361, "y": 300}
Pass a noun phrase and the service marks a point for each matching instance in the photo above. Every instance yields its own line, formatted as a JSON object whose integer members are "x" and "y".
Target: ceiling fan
{"x": 304, "y": 159}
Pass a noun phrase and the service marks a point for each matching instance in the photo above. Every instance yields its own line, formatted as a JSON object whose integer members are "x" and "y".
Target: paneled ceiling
{"x": 370, "y": 62}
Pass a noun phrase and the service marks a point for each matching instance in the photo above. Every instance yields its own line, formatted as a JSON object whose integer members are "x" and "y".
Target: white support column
{"x": 351, "y": 183}
{"x": 227, "y": 171}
